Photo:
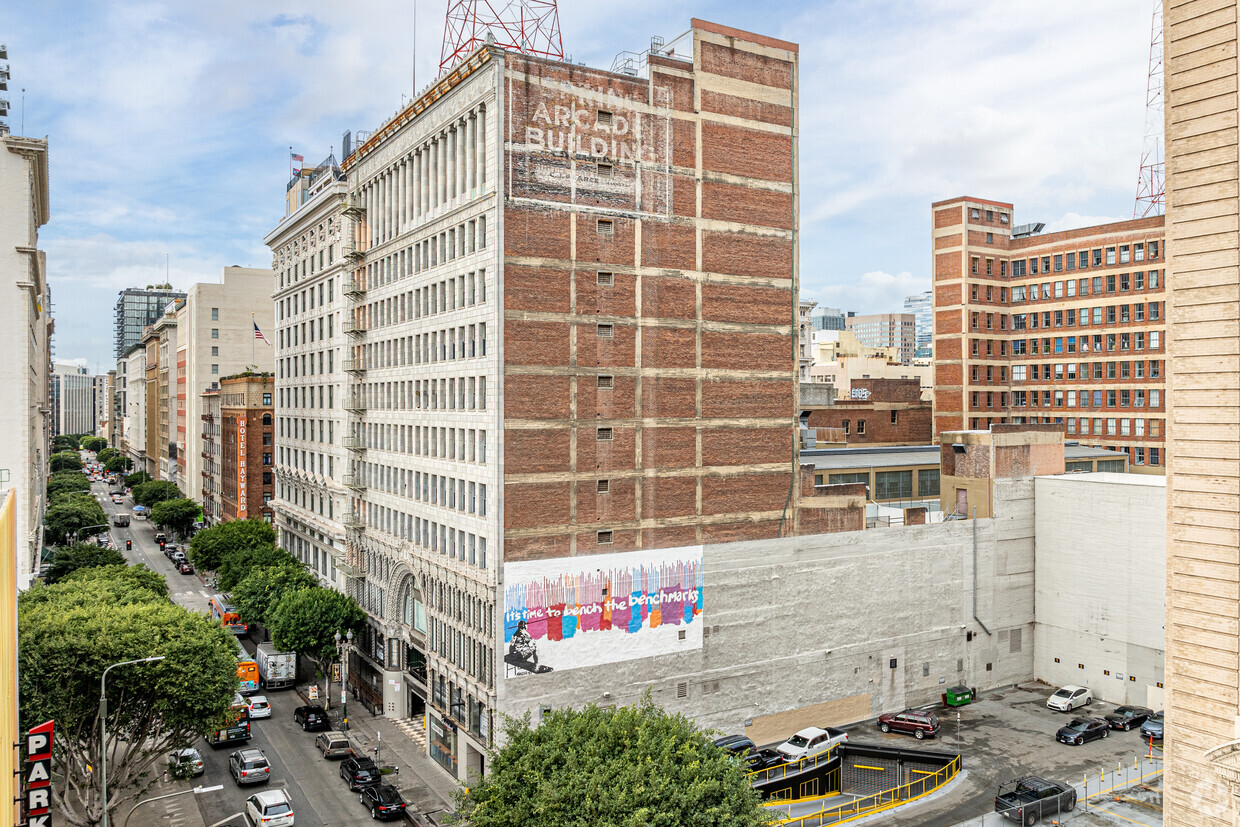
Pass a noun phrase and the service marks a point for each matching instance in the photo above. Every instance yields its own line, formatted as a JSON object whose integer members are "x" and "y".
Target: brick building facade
{"x": 247, "y": 439}
{"x": 1066, "y": 328}
{"x": 877, "y": 412}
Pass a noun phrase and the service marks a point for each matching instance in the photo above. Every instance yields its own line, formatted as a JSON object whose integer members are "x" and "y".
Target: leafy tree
{"x": 64, "y": 442}
{"x": 306, "y": 621}
{"x": 70, "y": 514}
{"x": 149, "y": 493}
{"x": 67, "y": 482}
{"x": 262, "y": 588}
{"x": 238, "y": 564}
{"x": 119, "y": 464}
{"x": 633, "y": 766}
{"x": 105, "y": 454}
{"x": 119, "y": 581}
{"x": 211, "y": 545}
{"x": 68, "y": 634}
{"x": 137, "y": 478}
{"x": 94, "y": 443}
{"x": 65, "y": 461}
{"x": 179, "y": 514}
{"x": 69, "y": 559}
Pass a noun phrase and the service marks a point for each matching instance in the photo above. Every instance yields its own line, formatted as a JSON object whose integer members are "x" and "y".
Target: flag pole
{"x": 254, "y": 324}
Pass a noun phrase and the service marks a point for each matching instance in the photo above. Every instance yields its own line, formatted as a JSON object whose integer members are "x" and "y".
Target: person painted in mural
{"x": 522, "y": 652}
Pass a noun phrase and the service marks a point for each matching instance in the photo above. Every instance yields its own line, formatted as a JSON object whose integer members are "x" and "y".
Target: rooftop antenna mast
{"x": 1151, "y": 193}
{"x": 531, "y": 27}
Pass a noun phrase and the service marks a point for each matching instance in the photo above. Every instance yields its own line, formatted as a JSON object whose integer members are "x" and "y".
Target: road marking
{"x": 204, "y": 594}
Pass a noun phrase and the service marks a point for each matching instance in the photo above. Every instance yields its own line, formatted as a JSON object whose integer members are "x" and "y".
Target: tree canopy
{"x": 179, "y": 515}
{"x": 65, "y": 442}
{"x": 209, "y": 546}
{"x": 118, "y": 464}
{"x": 71, "y": 631}
{"x": 70, "y": 514}
{"x": 94, "y": 443}
{"x": 634, "y": 766}
{"x": 262, "y": 588}
{"x": 137, "y": 478}
{"x": 65, "y": 461}
{"x": 105, "y": 454}
{"x": 239, "y": 562}
{"x": 68, "y": 559}
{"x": 66, "y": 482}
{"x": 306, "y": 621}
{"x": 155, "y": 491}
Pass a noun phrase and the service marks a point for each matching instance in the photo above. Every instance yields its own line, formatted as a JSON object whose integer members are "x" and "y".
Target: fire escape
{"x": 356, "y": 242}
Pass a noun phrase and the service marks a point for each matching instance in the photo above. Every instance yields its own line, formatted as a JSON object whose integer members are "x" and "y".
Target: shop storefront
{"x": 442, "y": 736}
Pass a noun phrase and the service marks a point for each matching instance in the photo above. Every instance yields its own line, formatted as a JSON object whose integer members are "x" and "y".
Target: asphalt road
{"x": 320, "y": 797}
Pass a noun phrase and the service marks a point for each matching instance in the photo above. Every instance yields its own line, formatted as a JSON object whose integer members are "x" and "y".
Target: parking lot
{"x": 1006, "y": 734}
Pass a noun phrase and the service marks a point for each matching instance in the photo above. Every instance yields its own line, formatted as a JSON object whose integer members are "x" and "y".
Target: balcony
{"x": 353, "y": 206}
{"x": 355, "y": 403}
{"x": 352, "y": 521}
{"x": 353, "y": 443}
{"x": 352, "y": 366}
{"x": 352, "y": 287}
{"x": 352, "y": 328}
{"x": 354, "y": 481}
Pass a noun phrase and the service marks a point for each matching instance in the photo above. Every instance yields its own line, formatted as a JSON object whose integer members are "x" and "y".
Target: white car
{"x": 1069, "y": 697}
{"x": 270, "y": 808}
{"x": 810, "y": 741}
{"x": 258, "y": 706}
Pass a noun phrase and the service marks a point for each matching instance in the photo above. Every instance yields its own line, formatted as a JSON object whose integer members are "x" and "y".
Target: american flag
{"x": 258, "y": 334}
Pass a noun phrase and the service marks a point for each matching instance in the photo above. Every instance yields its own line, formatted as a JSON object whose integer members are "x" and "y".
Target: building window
{"x": 606, "y": 331}
{"x": 215, "y": 369}
{"x": 893, "y": 485}
{"x": 860, "y": 427}
{"x": 846, "y": 425}
{"x": 928, "y": 482}
{"x": 605, "y": 279}
{"x": 604, "y": 538}
{"x": 604, "y": 118}
{"x": 893, "y": 417}
{"x": 215, "y": 333}
{"x": 266, "y": 401}
{"x": 215, "y": 314}
{"x": 603, "y": 487}
{"x": 215, "y": 351}
{"x": 606, "y": 227}
{"x": 862, "y": 477}
{"x": 605, "y": 434}
{"x": 606, "y": 382}
{"x": 604, "y": 170}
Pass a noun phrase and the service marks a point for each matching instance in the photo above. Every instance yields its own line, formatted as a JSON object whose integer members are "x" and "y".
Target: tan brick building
{"x": 247, "y": 446}
{"x": 1064, "y": 327}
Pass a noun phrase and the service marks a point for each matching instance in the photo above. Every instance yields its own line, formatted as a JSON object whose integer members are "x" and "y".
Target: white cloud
{"x": 873, "y": 292}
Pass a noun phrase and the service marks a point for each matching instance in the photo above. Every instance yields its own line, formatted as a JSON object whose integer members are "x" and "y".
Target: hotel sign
{"x": 242, "y": 502}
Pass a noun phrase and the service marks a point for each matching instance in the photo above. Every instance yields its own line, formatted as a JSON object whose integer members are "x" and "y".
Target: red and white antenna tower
{"x": 1151, "y": 194}
{"x": 528, "y": 26}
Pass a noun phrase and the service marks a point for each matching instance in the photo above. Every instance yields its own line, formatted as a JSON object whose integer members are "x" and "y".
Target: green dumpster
{"x": 958, "y": 695}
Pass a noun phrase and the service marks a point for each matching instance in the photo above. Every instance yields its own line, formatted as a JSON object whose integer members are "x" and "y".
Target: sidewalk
{"x": 423, "y": 782}
{"x": 181, "y": 811}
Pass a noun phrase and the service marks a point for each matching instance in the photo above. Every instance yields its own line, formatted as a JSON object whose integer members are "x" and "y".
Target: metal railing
{"x": 791, "y": 768}
{"x": 885, "y": 800}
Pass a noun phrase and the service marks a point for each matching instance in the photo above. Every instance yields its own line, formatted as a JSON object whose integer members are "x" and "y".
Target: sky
{"x": 169, "y": 123}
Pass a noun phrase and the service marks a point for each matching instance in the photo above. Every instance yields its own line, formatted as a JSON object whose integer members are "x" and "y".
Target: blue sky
{"x": 169, "y": 122}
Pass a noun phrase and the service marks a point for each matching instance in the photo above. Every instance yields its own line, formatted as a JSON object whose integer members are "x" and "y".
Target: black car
{"x": 1127, "y": 717}
{"x": 1080, "y": 730}
{"x": 384, "y": 801}
{"x": 359, "y": 771}
{"x": 311, "y": 718}
{"x": 746, "y": 750}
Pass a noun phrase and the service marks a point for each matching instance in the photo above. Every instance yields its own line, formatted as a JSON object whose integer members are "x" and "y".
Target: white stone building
{"x": 73, "y": 400}
{"x": 135, "y": 406}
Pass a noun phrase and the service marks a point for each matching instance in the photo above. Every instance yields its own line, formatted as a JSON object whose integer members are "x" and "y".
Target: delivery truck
{"x": 276, "y": 670}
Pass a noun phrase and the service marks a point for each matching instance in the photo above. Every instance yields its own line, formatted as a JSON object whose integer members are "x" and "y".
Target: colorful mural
{"x": 566, "y": 613}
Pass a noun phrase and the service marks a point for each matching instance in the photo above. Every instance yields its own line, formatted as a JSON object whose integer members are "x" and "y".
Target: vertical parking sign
{"x": 38, "y": 776}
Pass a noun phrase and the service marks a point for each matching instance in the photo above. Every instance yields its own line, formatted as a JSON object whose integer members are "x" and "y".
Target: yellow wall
{"x": 9, "y": 727}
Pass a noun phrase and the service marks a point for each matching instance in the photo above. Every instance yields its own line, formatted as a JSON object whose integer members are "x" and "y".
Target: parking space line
{"x": 1107, "y": 812}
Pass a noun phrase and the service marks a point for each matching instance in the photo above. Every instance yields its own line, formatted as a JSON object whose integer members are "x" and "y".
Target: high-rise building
{"x": 212, "y": 458}
{"x": 829, "y": 318}
{"x": 1060, "y": 327}
{"x": 1201, "y": 781}
{"x": 102, "y": 390}
{"x": 247, "y": 446}
{"x": 136, "y": 309}
{"x": 922, "y": 308}
{"x": 135, "y": 406}
{"x": 215, "y": 338}
{"x": 570, "y": 332}
{"x": 25, "y": 378}
{"x": 895, "y": 330}
{"x": 73, "y": 400}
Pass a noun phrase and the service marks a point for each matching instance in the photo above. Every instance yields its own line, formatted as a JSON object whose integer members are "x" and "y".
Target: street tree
{"x": 68, "y": 559}
{"x": 306, "y": 621}
{"x": 256, "y": 593}
{"x": 65, "y": 461}
{"x": 119, "y": 465}
{"x": 69, "y": 635}
{"x": 64, "y": 442}
{"x": 209, "y": 546}
{"x": 238, "y": 563}
{"x": 634, "y": 765}
{"x": 105, "y": 454}
{"x": 179, "y": 515}
{"x": 66, "y": 482}
{"x": 93, "y": 443}
{"x": 70, "y": 514}
{"x": 155, "y": 491}
{"x": 137, "y": 478}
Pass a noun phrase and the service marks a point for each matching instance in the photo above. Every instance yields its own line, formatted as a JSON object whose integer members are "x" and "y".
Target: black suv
{"x": 311, "y": 718}
{"x": 384, "y": 801}
{"x": 359, "y": 771}
{"x": 743, "y": 748}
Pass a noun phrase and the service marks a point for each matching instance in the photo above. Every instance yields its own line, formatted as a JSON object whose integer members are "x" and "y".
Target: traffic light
{"x": 161, "y": 545}
{"x": 129, "y": 545}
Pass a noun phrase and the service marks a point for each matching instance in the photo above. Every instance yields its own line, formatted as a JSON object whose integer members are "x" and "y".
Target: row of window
{"x": 437, "y": 537}
{"x": 316, "y": 463}
{"x": 1071, "y": 317}
{"x": 470, "y": 655}
{"x": 311, "y": 263}
{"x": 889, "y": 485}
{"x": 433, "y": 489}
{"x": 1099, "y": 343}
{"x": 445, "y": 247}
{"x": 1115, "y": 398}
{"x": 1114, "y": 427}
{"x": 317, "y": 295}
{"x": 302, "y": 333}
{"x": 443, "y": 296}
{"x": 1072, "y": 370}
{"x": 1076, "y": 260}
{"x": 461, "y": 393}
{"x": 310, "y": 554}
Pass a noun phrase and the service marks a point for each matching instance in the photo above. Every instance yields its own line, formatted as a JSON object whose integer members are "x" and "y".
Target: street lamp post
{"x": 103, "y": 729}
{"x": 342, "y": 646}
{"x": 199, "y": 790}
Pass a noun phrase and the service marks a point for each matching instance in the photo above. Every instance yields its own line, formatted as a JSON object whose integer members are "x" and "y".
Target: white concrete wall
{"x": 1101, "y": 584}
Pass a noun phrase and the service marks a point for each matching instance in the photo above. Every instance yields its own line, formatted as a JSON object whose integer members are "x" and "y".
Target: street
{"x": 320, "y": 797}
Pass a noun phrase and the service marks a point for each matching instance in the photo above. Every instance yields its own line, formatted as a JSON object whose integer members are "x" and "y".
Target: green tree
{"x": 155, "y": 491}
{"x": 114, "y": 583}
{"x": 65, "y": 461}
{"x": 94, "y": 443}
{"x": 306, "y": 621}
{"x": 635, "y": 766}
{"x": 65, "y": 442}
{"x": 262, "y": 588}
{"x": 70, "y": 514}
{"x": 105, "y": 454}
{"x": 238, "y": 564}
{"x": 119, "y": 465}
{"x": 68, "y": 559}
{"x": 211, "y": 545}
{"x": 67, "y": 482}
{"x": 68, "y": 634}
{"x": 137, "y": 478}
{"x": 179, "y": 515}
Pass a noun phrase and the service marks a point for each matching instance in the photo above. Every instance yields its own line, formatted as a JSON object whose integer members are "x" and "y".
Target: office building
{"x": 25, "y": 418}
{"x": 893, "y": 330}
{"x": 922, "y": 308}
{"x": 212, "y": 458}
{"x": 138, "y": 308}
{"x": 1065, "y": 328}
{"x": 72, "y": 400}
{"x": 247, "y": 446}
{"x": 134, "y": 433}
{"x": 828, "y": 318}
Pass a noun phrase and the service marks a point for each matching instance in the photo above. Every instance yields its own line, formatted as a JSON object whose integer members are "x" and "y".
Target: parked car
{"x": 185, "y": 567}
{"x": 911, "y": 721}
{"x": 1127, "y": 717}
{"x": 384, "y": 801}
{"x": 160, "y": 537}
{"x": 258, "y": 706}
{"x": 177, "y": 557}
{"x": 745, "y": 749}
{"x": 333, "y": 744}
{"x": 1069, "y": 698}
{"x": 1153, "y": 727}
{"x": 249, "y": 766}
{"x": 1029, "y": 799}
{"x": 359, "y": 771}
{"x": 311, "y": 718}
{"x": 186, "y": 763}
{"x": 811, "y": 741}
{"x": 270, "y": 808}
{"x": 1079, "y": 730}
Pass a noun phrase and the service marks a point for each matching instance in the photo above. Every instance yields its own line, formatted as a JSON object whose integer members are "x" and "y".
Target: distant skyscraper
{"x": 135, "y": 309}
{"x": 827, "y": 318}
{"x": 920, "y": 306}
{"x": 885, "y": 330}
